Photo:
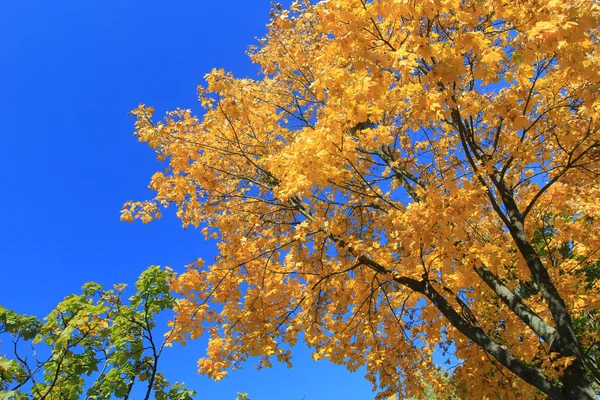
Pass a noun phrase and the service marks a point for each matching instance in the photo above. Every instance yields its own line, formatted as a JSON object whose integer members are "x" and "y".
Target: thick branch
{"x": 475, "y": 333}
{"x": 499, "y": 352}
{"x": 565, "y": 342}
{"x": 515, "y": 303}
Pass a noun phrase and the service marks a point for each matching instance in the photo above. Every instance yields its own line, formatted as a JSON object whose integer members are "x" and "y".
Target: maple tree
{"x": 403, "y": 178}
{"x": 94, "y": 345}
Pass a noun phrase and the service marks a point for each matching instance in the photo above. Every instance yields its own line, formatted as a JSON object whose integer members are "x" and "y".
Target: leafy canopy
{"x": 94, "y": 345}
{"x": 403, "y": 177}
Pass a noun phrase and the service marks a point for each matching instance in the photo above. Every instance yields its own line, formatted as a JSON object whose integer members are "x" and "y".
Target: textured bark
{"x": 576, "y": 383}
{"x": 515, "y": 303}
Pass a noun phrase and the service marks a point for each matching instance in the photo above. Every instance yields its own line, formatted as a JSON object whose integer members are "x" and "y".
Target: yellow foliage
{"x": 402, "y": 176}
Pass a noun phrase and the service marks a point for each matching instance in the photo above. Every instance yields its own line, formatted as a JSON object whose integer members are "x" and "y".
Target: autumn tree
{"x": 95, "y": 345}
{"x": 403, "y": 177}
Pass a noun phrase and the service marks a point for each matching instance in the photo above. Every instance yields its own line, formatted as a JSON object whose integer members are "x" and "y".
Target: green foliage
{"x": 99, "y": 345}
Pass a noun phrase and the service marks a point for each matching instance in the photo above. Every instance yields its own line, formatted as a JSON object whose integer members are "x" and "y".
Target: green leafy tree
{"x": 95, "y": 345}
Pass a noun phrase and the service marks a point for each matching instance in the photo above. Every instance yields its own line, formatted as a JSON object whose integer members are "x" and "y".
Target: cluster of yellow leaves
{"x": 347, "y": 149}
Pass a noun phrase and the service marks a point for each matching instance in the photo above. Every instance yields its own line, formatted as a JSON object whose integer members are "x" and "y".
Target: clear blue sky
{"x": 69, "y": 73}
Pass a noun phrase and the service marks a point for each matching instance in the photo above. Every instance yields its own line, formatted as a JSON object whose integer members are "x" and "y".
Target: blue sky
{"x": 69, "y": 73}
